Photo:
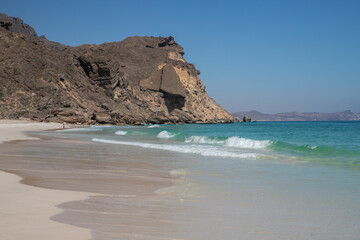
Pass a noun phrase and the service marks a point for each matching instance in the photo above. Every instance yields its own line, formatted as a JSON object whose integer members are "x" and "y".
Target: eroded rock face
{"x": 138, "y": 80}
{"x": 165, "y": 80}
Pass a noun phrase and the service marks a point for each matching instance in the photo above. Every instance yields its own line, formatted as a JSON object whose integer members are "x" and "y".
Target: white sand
{"x": 25, "y": 210}
{"x": 15, "y": 129}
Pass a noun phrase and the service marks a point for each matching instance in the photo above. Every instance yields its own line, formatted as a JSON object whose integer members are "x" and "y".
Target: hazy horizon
{"x": 272, "y": 56}
{"x": 291, "y": 111}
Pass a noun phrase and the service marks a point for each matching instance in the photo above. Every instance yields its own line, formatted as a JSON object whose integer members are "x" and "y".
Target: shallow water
{"x": 280, "y": 180}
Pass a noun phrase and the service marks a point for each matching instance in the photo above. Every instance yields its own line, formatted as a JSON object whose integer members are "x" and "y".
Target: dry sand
{"x": 15, "y": 129}
{"x": 25, "y": 211}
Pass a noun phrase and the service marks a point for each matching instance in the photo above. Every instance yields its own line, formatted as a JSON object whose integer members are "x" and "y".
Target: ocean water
{"x": 262, "y": 180}
{"x": 329, "y": 143}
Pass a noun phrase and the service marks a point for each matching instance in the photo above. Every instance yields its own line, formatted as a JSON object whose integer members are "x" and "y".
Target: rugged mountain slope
{"x": 137, "y": 80}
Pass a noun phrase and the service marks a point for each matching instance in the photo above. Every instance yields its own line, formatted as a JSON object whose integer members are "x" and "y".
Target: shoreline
{"x": 72, "y": 167}
{"x": 196, "y": 197}
{"x": 25, "y": 210}
{"x": 13, "y": 130}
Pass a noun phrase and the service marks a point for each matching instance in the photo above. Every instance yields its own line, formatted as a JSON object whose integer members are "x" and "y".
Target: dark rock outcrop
{"x": 138, "y": 80}
{"x": 246, "y": 119}
{"x": 17, "y": 25}
{"x": 5, "y": 24}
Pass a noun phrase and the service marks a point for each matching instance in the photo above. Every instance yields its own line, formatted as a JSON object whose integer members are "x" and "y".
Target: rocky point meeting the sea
{"x": 137, "y": 80}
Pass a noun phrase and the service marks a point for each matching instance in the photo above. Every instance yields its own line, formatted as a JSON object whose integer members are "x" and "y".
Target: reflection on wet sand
{"x": 128, "y": 180}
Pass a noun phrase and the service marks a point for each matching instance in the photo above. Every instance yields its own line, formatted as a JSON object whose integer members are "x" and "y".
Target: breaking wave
{"x": 121, "y": 132}
{"x": 203, "y": 139}
{"x": 153, "y": 126}
{"x": 165, "y": 134}
{"x": 212, "y": 151}
{"x": 239, "y": 142}
{"x": 236, "y": 142}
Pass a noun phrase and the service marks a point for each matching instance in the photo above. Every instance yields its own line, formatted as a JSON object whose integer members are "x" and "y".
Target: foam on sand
{"x": 177, "y": 172}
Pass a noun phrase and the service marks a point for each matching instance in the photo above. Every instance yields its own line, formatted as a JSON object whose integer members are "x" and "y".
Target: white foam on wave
{"x": 121, "y": 132}
{"x": 165, "y": 134}
{"x": 211, "y": 151}
{"x": 236, "y": 142}
{"x": 239, "y": 142}
{"x": 153, "y": 126}
{"x": 203, "y": 139}
{"x": 312, "y": 147}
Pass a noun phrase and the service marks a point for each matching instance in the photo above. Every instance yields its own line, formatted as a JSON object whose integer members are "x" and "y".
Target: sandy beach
{"x": 48, "y": 176}
{"x": 26, "y": 210}
{"x": 11, "y": 130}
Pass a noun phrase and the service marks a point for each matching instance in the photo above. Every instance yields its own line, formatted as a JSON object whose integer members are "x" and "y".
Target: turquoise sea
{"x": 260, "y": 180}
{"x": 330, "y": 143}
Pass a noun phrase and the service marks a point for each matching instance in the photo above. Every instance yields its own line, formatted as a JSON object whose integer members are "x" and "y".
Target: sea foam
{"x": 153, "y": 126}
{"x": 165, "y": 134}
{"x": 121, "y": 132}
{"x": 239, "y": 142}
{"x": 211, "y": 151}
{"x": 203, "y": 139}
{"x": 236, "y": 142}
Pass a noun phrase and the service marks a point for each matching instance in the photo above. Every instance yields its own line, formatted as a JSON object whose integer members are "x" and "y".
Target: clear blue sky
{"x": 272, "y": 56}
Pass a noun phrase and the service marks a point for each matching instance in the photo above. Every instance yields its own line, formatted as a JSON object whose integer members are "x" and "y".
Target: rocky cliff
{"x": 138, "y": 80}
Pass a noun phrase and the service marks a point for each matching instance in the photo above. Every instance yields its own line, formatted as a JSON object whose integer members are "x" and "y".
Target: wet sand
{"x": 124, "y": 182}
{"x": 25, "y": 210}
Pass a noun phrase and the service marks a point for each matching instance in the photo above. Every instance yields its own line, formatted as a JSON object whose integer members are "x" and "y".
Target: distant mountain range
{"x": 296, "y": 116}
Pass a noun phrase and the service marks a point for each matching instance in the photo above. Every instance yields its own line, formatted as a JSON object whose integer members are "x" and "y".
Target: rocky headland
{"x": 134, "y": 81}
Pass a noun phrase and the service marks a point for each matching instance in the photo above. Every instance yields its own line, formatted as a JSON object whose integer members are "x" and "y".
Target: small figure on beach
{"x": 64, "y": 125}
